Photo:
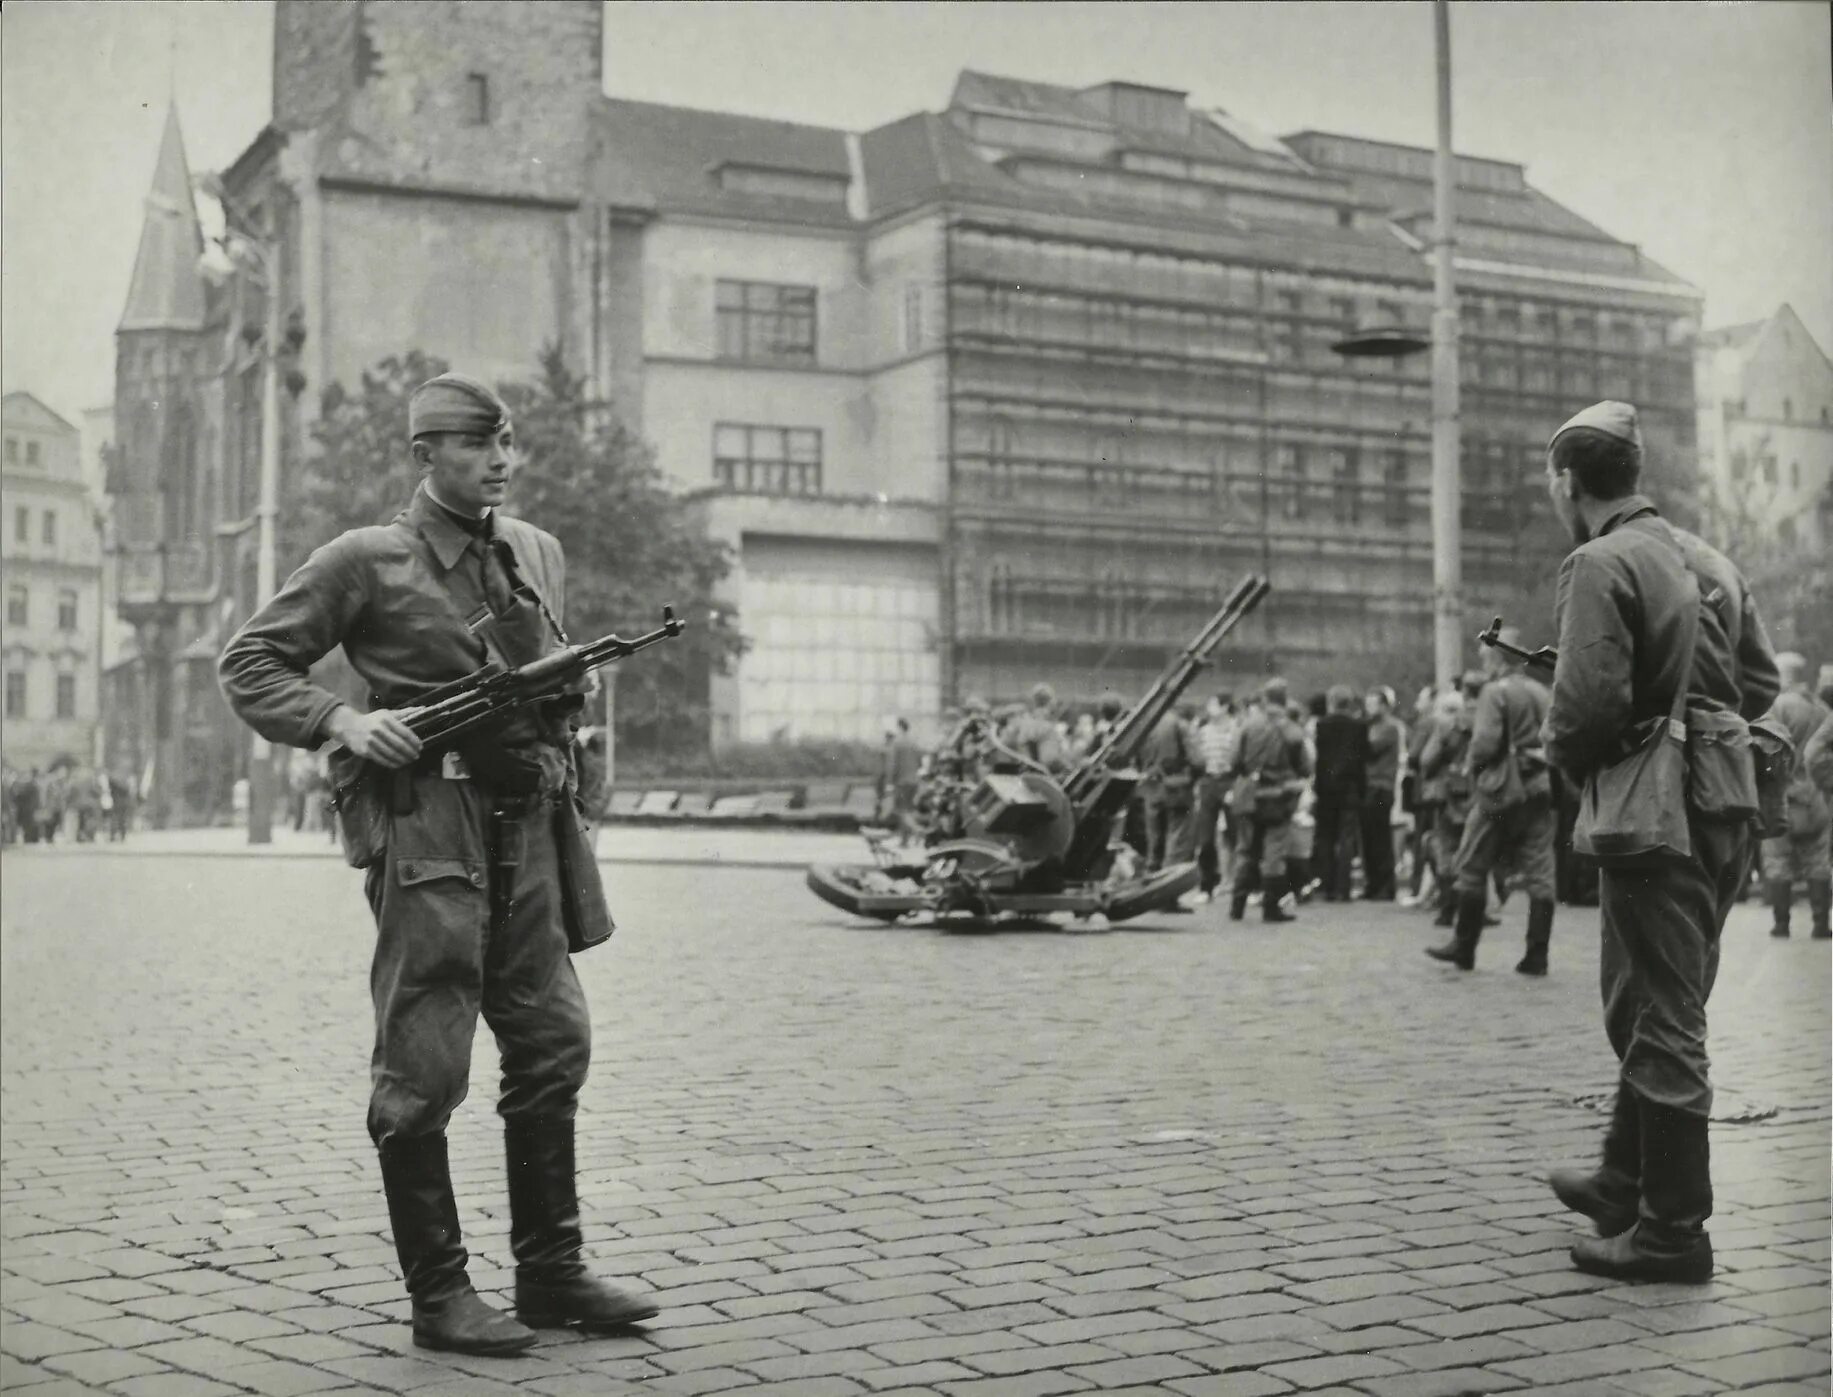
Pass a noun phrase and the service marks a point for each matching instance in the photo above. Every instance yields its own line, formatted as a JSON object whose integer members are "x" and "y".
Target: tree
{"x": 1793, "y": 589}
{"x": 631, "y": 544}
{"x": 632, "y": 547}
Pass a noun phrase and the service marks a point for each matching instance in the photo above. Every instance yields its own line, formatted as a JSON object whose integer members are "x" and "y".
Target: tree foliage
{"x": 632, "y": 546}
{"x": 1794, "y": 590}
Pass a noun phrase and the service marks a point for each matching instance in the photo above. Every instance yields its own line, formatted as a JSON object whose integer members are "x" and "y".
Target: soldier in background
{"x": 1170, "y": 761}
{"x": 1272, "y": 763}
{"x": 1032, "y": 731}
{"x": 1804, "y": 853}
{"x": 1510, "y": 828}
{"x": 1628, "y": 597}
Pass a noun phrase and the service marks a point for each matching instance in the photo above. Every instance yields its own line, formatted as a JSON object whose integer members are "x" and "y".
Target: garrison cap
{"x": 1612, "y": 418}
{"x": 454, "y": 403}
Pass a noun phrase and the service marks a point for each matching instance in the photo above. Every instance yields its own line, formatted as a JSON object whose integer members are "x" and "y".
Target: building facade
{"x": 50, "y": 572}
{"x": 1766, "y": 432}
{"x": 1009, "y": 391}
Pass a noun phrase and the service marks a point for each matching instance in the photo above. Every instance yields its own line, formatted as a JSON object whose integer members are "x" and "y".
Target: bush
{"x": 813, "y": 759}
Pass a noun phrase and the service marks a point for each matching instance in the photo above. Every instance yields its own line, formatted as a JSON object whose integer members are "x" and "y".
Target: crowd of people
{"x": 1450, "y": 806}
{"x": 78, "y": 802}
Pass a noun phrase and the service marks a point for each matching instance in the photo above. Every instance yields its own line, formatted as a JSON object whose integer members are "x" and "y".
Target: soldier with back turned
{"x": 1634, "y": 598}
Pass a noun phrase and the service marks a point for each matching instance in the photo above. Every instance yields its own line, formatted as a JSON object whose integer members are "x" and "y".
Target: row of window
{"x": 18, "y": 707}
{"x": 19, "y": 607}
{"x": 1767, "y": 467}
{"x": 22, "y": 525}
{"x": 12, "y": 452}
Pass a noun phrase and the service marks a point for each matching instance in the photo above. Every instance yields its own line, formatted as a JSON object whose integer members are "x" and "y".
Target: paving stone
{"x": 1230, "y": 1385}
{"x": 1182, "y": 1181}
{"x": 1306, "y": 1373}
{"x": 1768, "y": 1365}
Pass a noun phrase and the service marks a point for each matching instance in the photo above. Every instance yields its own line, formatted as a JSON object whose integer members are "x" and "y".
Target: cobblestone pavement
{"x": 1187, "y": 1157}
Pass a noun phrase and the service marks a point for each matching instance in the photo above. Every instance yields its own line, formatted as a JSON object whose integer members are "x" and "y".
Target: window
{"x": 767, "y": 460}
{"x": 913, "y": 318}
{"x": 15, "y": 693}
{"x": 22, "y": 525}
{"x": 1343, "y": 308}
{"x": 1794, "y": 475}
{"x": 1345, "y": 470}
{"x": 66, "y": 610}
{"x": 1769, "y": 470}
{"x": 31, "y": 453}
{"x": 760, "y": 322}
{"x": 477, "y": 99}
{"x": 66, "y": 696}
{"x": 1292, "y": 472}
{"x": 12, "y": 449}
{"x": 1397, "y": 489}
{"x": 17, "y": 599}
{"x": 50, "y": 530}
{"x": 1788, "y": 409}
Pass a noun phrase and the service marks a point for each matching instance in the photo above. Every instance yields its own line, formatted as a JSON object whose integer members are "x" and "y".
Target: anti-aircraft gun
{"x": 1028, "y": 842}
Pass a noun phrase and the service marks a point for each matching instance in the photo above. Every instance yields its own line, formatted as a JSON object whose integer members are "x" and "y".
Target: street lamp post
{"x": 1447, "y": 492}
{"x": 239, "y": 238}
{"x": 1398, "y": 342}
{"x": 262, "y": 779}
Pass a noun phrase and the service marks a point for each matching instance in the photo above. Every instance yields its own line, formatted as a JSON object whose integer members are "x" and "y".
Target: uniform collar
{"x": 1629, "y": 507}
{"x": 449, "y": 539}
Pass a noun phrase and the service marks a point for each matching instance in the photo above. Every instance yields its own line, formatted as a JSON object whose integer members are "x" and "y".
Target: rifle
{"x": 1546, "y": 655}
{"x": 491, "y": 692}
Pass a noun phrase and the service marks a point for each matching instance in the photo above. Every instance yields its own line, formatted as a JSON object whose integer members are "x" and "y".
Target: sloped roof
{"x": 167, "y": 290}
{"x": 660, "y": 158}
{"x": 1202, "y": 139}
{"x": 19, "y": 399}
{"x": 1731, "y": 336}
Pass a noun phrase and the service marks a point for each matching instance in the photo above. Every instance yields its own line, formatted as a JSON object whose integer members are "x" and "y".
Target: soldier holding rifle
{"x": 477, "y": 872}
{"x": 1652, "y": 623}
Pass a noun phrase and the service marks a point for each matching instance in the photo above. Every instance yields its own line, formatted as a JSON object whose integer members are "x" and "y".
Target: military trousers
{"x": 1517, "y": 842}
{"x": 463, "y": 929}
{"x": 1659, "y": 959}
{"x": 1268, "y": 847}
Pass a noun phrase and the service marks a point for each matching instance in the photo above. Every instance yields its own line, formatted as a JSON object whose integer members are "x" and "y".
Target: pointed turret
{"x": 167, "y": 292}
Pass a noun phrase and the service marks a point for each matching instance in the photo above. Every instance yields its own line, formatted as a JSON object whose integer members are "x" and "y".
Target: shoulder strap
{"x": 1690, "y": 626}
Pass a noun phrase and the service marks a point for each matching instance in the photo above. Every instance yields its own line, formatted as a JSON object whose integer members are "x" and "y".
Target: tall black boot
{"x": 1610, "y": 1194}
{"x": 1539, "y": 934}
{"x": 553, "y": 1287}
{"x": 1820, "y": 902}
{"x": 1447, "y": 903}
{"x": 1669, "y": 1241}
{"x": 1781, "y": 895}
{"x": 448, "y": 1313}
{"x": 1275, "y": 889}
{"x": 1461, "y": 949}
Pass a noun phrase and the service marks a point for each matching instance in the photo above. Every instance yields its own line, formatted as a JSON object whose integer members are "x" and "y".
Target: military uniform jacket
{"x": 1621, "y": 611}
{"x": 1273, "y": 751}
{"x": 1803, "y": 715}
{"x": 397, "y": 598}
{"x": 1510, "y": 712}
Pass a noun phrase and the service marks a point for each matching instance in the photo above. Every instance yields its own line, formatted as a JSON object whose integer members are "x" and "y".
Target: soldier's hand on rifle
{"x": 382, "y": 737}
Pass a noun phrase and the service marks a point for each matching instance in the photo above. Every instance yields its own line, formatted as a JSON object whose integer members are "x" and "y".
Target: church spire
{"x": 167, "y": 292}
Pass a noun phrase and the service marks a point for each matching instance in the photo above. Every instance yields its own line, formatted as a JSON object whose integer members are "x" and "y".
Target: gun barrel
{"x": 1144, "y": 716}
{"x": 491, "y": 693}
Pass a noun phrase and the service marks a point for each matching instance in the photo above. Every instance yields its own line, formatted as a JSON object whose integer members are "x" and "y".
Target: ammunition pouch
{"x": 1721, "y": 767}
